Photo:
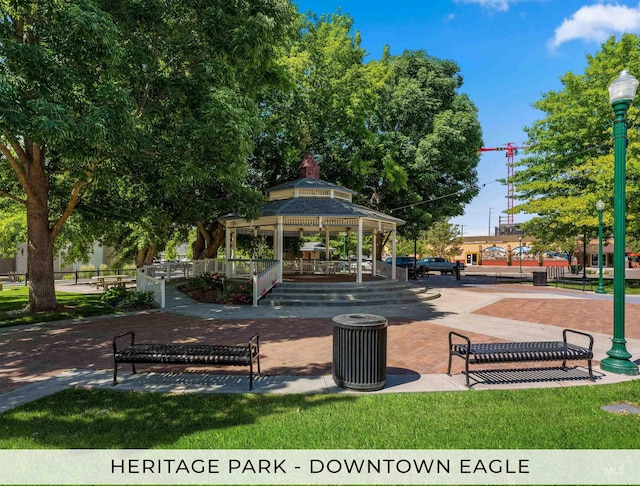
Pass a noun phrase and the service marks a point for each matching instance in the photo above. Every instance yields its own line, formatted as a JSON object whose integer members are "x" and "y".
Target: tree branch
{"x": 17, "y": 168}
{"x": 17, "y": 148}
{"x": 73, "y": 201}
{"x": 12, "y": 196}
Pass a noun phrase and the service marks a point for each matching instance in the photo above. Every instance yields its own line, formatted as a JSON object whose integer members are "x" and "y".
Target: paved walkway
{"x": 297, "y": 342}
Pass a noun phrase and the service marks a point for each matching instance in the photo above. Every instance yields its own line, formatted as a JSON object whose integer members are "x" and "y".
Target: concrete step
{"x": 346, "y": 294}
{"x": 324, "y": 301}
{"x": 287, "y": 287}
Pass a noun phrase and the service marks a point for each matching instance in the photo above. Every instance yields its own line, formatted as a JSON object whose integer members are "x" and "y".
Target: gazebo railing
{"x": 384, "y": 270}
{"x": 241, "y": 268}
{"x": 265, "y": 280}
{"x": 317, "y": 266}
{"x": 208, "y": 265}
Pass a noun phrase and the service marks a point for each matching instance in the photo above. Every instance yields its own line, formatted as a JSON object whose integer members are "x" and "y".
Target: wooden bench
{"x": 478, "y": 353}
{"x": 189, "y": 354}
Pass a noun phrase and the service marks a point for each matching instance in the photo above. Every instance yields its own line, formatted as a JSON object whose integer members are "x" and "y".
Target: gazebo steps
{"x": 340, "y": 287}
{"x": 291, "y": 294}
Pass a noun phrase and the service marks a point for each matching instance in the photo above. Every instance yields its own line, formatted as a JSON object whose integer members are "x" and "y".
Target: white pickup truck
{"x": 438, "y": 264}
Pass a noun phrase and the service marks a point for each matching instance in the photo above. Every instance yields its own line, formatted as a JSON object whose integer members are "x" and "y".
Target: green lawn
{"x": 72, "y": 305}
{"x": 558, "y": 418}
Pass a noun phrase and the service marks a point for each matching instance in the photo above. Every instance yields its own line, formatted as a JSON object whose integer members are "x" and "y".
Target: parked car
{"x": 367, "y": 265}
{"x": 438, "y": 264}
{"x": 402, "y": 261}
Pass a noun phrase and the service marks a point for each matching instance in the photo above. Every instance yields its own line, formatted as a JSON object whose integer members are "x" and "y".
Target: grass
{"x": 631, "y": 287}
{"x": 555, "y": 418}
{"x": 72, "y": 305}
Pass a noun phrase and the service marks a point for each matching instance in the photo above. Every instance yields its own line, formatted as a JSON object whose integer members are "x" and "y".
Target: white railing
{"x": 307, "y": 266}
{"x": 384, "y": 270}
{"x": 147, "y": 282}
{"x": 208, "y": 265}
{"x": 186, "y": 269}
{"x": 243, "y": 268}
{"x": 265, "y": 280}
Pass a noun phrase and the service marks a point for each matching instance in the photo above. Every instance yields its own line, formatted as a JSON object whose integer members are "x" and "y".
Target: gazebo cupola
{"x": 309, "y": 185}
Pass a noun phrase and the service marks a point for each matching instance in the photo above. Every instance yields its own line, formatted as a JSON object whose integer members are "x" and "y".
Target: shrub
{"x": 127, "y": 299}
{"x": 206, "y": 281}
{"x": 224, "y": 291}
{"x": 240, "y": 292}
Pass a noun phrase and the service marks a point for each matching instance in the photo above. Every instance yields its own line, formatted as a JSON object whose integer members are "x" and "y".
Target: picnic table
{"x": 106, "y": 281}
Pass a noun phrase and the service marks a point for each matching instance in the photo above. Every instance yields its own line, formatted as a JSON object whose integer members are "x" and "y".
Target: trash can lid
{"x": 360, "y": 320}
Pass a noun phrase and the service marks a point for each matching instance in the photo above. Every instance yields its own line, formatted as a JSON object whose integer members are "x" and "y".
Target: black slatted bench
{"x": 188, "y": 354}
{"x": 480, "y": 353}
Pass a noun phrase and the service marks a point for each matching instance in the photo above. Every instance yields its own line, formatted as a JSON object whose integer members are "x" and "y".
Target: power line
{"x": 439, "y": 197}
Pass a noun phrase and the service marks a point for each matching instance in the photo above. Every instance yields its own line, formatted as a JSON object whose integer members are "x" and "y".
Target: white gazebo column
{"x": 393, "y": 253}
{"x": 234, "y": 243}
{"x": 227, "y": 251}
{"x": 234, "y": 251}
{"x": 280, "y": 254}
{"x": 374, "y": 251}
{"x": 359, "y": 252}
{"x": 327, "y": 254}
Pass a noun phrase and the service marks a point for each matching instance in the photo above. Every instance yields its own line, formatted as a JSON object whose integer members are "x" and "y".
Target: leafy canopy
{"x": 570, "y": 161}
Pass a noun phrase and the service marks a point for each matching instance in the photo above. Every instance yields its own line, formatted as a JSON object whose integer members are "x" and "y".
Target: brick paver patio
{"x": 289, "y": 346}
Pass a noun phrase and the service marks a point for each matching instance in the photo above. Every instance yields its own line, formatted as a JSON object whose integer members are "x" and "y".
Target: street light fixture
{"x": 621, "y": 93}
{"x": 600, "y": 208}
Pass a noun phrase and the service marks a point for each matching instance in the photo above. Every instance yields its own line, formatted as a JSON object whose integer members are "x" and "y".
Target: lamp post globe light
{"x": 600, "y": 208}
{"x": 621, "y": 93}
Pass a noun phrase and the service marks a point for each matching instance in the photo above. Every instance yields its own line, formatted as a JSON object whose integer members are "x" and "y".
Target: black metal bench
{"x": 189, "y": 354}
{"x": 479, "y": 353}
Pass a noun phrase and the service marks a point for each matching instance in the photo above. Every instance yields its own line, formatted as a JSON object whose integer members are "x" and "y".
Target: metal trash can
{"x": 539, "y": 278}
{"x": 360, "y": 351}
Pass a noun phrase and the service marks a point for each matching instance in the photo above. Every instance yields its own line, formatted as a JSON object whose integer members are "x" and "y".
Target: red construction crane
{"x": 512, "y": 151}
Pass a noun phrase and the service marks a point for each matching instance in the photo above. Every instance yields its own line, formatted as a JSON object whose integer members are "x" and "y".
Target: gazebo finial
{"x": 309, "y": 168}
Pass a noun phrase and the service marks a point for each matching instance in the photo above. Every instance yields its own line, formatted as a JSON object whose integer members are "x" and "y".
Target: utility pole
{"x": 490, "y": 209}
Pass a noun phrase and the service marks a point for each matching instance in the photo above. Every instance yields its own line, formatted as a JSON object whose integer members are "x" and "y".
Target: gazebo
{"x": 309, "y": 205}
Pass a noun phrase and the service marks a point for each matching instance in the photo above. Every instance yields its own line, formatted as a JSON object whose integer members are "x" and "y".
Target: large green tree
{"x": 570, "y": 156}
{"x": 130, "y": 112}
{"x": 64, "y": 113}
{"x": 323, "y": 108}
{"x": 397, "y": 130}
{"x": 423, "y": 154}
{"x": 199, "y": 70}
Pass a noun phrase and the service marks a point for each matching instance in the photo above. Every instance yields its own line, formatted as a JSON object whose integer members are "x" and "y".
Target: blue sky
{"x": 510, "y": 52}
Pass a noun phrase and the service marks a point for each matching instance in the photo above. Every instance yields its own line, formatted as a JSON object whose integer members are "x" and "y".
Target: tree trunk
{"x": 382, "y": 238}
{"x": 198, "y": 246}
{"x": 144, "y": 256}
{"x": 42, "y": 291}
{"x": 208, "y": 241}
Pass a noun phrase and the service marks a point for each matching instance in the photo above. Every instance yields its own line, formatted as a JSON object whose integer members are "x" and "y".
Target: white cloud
{"x": 596, "y": 23}
{"x": 501, "y": 5}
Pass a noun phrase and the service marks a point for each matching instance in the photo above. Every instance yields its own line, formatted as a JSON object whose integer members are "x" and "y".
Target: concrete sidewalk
{"x": 297, "y": 343}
